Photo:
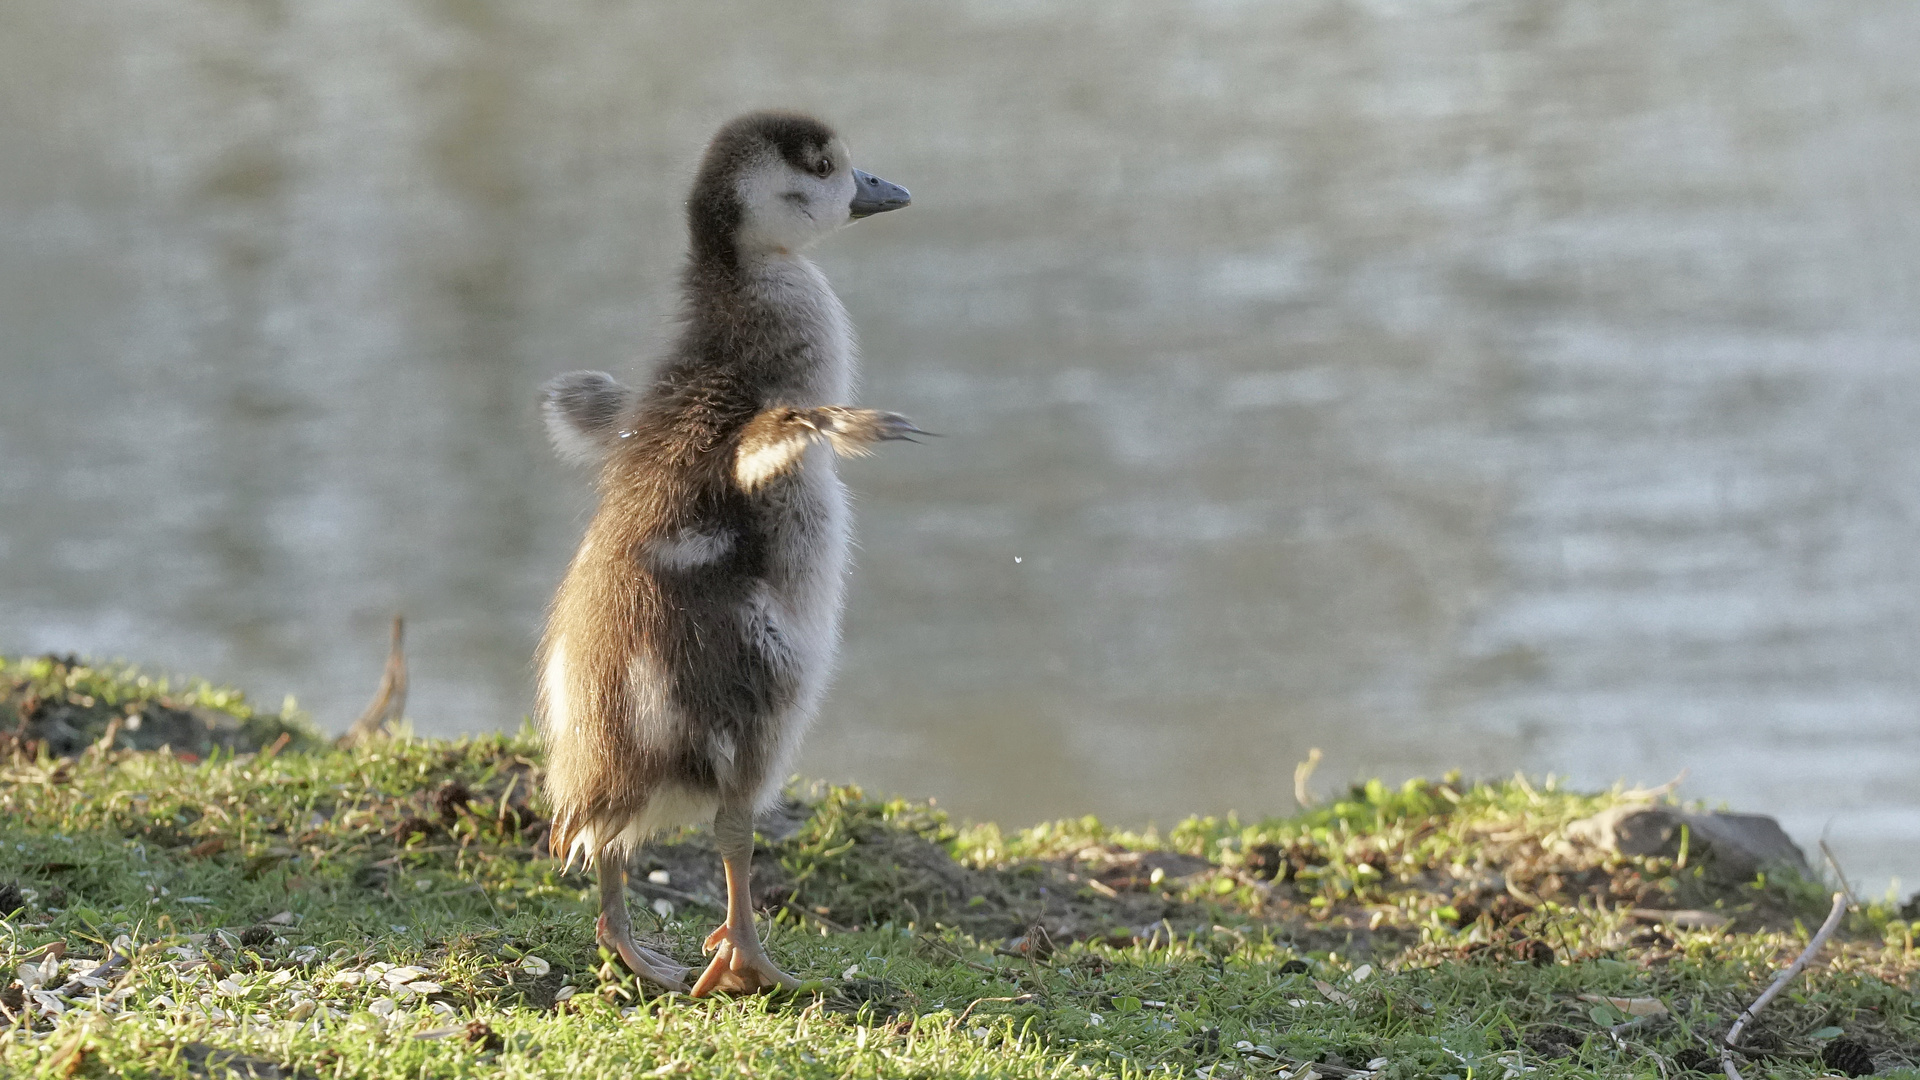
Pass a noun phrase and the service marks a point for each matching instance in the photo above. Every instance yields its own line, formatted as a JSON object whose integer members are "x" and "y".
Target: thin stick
{"x": 1845, "y": 885}
{"x": 390, "y": 701}
{"x": 1780, "y": 982}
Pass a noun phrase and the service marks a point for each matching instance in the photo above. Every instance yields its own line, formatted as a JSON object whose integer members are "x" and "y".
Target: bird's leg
{"x": 739, "y": 964}
{"x": 616, "y": 932}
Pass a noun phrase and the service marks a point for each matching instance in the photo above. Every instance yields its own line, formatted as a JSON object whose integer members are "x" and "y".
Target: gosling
{"x": 688, "y": 647}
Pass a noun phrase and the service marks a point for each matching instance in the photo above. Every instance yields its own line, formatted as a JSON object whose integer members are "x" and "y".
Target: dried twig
{"x": 946, "y": 949}
{"x": 643, "y": 886}
{"x": 104, "y": 744}
{"x": 1780, "y": 982}
{"x": 1653, "y": 793}
{"x": 808, "y": 914}
{"x": 390, "y": 701}
{"x": 276, "y": 746}
{"x": 1845, "y": 885}
{"x": 1301, "y": 774}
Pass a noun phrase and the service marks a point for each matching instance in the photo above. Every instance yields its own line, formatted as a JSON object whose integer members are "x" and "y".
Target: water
{"x": 1445, "y": 384}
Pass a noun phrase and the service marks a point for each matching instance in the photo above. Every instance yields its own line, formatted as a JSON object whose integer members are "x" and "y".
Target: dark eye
{"x": 824, "y": 167}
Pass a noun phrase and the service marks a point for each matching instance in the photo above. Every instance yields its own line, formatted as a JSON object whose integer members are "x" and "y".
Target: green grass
{"x": 1444, "y": 929}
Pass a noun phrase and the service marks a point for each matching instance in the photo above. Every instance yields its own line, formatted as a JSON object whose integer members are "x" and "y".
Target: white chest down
{"x": 809, "y": 315}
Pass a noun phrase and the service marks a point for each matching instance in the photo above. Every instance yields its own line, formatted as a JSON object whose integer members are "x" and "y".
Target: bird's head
{"x": 777, "y": 182}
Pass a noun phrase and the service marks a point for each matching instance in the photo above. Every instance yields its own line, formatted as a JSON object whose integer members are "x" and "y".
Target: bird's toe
{"x": 740, "y": 966}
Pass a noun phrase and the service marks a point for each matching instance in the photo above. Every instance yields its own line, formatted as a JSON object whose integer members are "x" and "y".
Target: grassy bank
{"x": 286, "y": 909}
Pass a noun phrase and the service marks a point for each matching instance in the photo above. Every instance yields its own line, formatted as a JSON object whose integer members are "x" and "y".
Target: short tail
{"x": 578, "y": 839}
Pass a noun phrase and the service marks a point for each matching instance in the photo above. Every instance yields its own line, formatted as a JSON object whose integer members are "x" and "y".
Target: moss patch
{"x": 59, "y": 706}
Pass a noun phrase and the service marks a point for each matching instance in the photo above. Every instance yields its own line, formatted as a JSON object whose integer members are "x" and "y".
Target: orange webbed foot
{"x": 740, "y": 966}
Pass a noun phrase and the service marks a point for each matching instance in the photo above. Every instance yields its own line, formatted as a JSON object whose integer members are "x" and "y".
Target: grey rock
{"x": 1735, "y": 846}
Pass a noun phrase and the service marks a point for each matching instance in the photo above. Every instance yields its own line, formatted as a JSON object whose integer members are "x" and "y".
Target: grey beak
{"x": 872, "y": 195}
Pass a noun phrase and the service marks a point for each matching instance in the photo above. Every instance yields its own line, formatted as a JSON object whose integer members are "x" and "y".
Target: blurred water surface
{"x": 1519, "y": 384}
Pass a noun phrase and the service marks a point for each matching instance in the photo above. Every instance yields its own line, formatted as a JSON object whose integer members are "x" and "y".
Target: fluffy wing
{"x": 583, "y": 411}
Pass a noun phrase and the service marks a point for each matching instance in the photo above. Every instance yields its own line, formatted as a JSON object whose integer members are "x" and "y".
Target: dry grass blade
{"x": 1845, "y": 885}
{"x": 1018, "y": 999}
{"x": 1328, "y": 991}
{"x": 1636, "y": 1006}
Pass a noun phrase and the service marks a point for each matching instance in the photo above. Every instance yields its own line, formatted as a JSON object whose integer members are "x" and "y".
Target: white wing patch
{"x": 654, "y": 719}
{"x": 752, "y": 468}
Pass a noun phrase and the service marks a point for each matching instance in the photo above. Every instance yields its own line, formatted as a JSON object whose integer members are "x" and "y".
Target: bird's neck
{"x": 782, "y": 326}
